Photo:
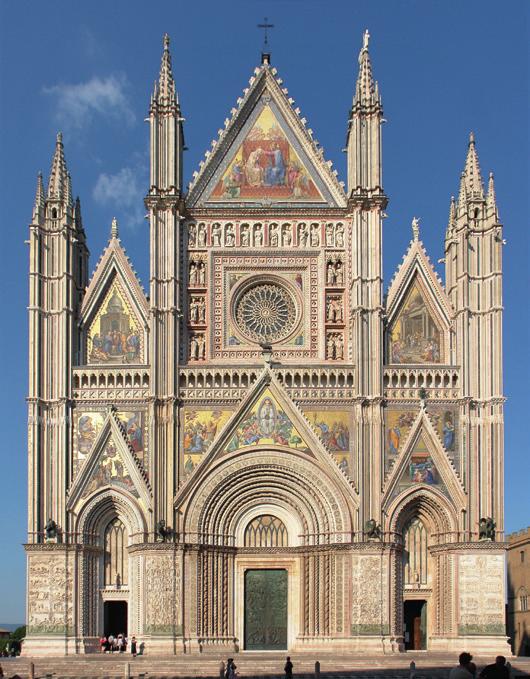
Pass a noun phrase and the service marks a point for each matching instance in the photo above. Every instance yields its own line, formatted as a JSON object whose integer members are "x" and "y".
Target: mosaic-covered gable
{"x": 398, "y": 422}
{"x": 88, "y": 424}
{"x": 266, "y": 166}
{"x": 420, "y": 469}
{"x": 110, "y": 471}
{"x": 266, "y": 423}
{"x": 199, "y": 430}
{"x": 414, "y": 337}
{"x": 115, "y": 335}
{"x": 333, "y": 428}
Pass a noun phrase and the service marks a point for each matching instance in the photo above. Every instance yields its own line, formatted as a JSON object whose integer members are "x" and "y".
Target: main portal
{"x": 265, "y": 609}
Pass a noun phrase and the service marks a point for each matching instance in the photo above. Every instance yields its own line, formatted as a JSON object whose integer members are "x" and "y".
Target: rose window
{"x": 266, "y": 312}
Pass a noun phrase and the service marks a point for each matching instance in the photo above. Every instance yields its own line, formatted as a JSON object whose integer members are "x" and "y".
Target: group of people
{"x": 112, "y": 644}
{"x": 468, "y": 670}
{"x": 230, "y": 669}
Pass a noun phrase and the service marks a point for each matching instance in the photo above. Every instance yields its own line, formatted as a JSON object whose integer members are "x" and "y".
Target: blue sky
{"x": 444, "y": 68}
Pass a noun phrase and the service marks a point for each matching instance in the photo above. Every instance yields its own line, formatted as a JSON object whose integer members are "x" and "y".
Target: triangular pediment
{"x": 111, "y": 463}
{"x": 418, "y": 312}
{"x": 266, "y": 419}
{"x": 114, "y": 315}
{"x": 424, "y": 463}
{"x": 265, "y": 156}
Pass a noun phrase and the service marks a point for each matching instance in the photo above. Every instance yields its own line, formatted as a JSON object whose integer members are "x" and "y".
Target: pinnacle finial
{"x": 165, "y": 89}
{"x": 59, "y": 184}
{"x": 366, "y": 39}
{"x": 474, "y": 186}
{"x": 416, "y": 228}
{"x": 114, "y": 228}
{"x": 365, "y": 90}
{"x": 491, "y": 199}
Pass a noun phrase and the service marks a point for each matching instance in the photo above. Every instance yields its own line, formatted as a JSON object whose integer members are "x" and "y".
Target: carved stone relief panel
{"x": 481, "y": 594}
{"x": 50, "y": 593}
{"x": 162, "y": 586}
{"x": 369, "y": 594}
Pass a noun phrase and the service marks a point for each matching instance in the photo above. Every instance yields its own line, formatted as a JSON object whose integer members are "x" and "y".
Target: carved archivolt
{"x": 427, "y": 504}
{"x": 275, "y": 478}
{"x": 103, "y": 507}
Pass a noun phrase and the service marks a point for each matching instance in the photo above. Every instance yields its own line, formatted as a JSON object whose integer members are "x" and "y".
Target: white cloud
{"x": 122, "y": 190}
{"x": 77, "y": 104}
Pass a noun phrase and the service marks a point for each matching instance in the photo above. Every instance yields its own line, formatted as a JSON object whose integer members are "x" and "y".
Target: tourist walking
{"x": 462, "y": 671}
{"x": 288, "y": 669}
{"x": 133, "y": 646}
{"x": 230, "y": 671}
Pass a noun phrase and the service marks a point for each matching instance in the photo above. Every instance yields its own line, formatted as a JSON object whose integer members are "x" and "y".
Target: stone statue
{"x": 201, "y": 267}
{"x": 331, "y": 274}
{"x": 314, "y": 237}
{"x": 302, "y": 235}
{"x": 329, "y": 234}
{"x": 373, "y": 530}
{"x": 193, "y": 274}
{"x": 192, "y": 235}
{"x": 245, "y": 235}
{"x": 216, "y": 235}
{"x": 339, "y": 275}
{"x": 202, "y": 235}
{"x": 51, "y": 529}
{"x": 486, "y": 528}
{"x": 286, "y": 235}
{"x": 273, "y": 236}
{"x": 339, "y": 235}
{"x": 258, "y": 235}
{"x": 230, "y": 238}
{"x": 162, "y": 531}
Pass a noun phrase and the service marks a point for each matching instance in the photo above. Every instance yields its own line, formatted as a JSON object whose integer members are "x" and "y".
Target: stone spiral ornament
{"x": 266, "y": 312}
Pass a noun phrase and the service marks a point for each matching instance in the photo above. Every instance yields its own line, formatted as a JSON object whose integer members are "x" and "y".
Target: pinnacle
{"x": 114, "y": 228}
{"x": 365, "y": 90}
{"x": 165, "y": 88}
{"x": 59, "y": 185}
{"x": 474, "y": 184}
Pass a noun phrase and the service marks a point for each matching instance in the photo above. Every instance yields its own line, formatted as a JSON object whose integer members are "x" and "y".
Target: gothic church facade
{"x": 265, "y": 452}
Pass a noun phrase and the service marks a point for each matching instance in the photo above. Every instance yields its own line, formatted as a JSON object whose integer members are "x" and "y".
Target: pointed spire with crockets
{"x": 491, "y": 201}
{"x": 452, "y": 217}
{"x": 366, "y": 90}
{"x": 59, "y": 185}
{"x": 38, "y": 209}
{"x": 165, "y": 92}
{"x": 474, "y": 186}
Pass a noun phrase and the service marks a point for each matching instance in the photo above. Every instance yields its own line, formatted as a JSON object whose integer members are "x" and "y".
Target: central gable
{"x": 265, "y": 156}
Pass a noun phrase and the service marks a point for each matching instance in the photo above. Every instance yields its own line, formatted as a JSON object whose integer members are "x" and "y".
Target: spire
{"x": 39, "y": 198}
{"x": 462, "y": 195}
{"x": 366, "y": 91}
{"x": 114, "y": 228}
{"x": 165, "y": 88}
{"x": 474, "y": 185}
{"x": 58, "y": 188}
{"x": 491, "y": 200}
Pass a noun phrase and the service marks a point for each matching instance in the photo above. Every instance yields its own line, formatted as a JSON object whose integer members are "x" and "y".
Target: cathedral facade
{"x": 265, "y": 452}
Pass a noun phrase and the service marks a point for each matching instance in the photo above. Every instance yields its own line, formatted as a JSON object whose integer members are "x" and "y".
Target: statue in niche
{"x": 273, "y": 235}
{"x": 258, "y": 235}
{"x": 216, "y": 235}
{"x": 329, "y": 234}
{"x": 192, "y": 235}
{"x": 486, "y": 528}
{"x": 193, "y": 273}
{"x": 339, "y": 273}
{"x": 334, "y": 314}
{"x": 201, "y": 273}
{"x": 339, "y": 235}
{"x": 201, "y": 342}
{"x": 245, "y": 235}
{"x": 314, "y": 235}
{"x": 194, "y": 310}
{"x": 194, "y": 348}
{"x": 202, "y": 310}
{"x": 330, "y": 347}
{"x": 286, "y": 235}
{"x": 339, "y": 347}
{"x": 201, "y": 236}
{"x": 303, "y": 235}
{"x": 230, "y": 236}
{"x": 331, "y": 276}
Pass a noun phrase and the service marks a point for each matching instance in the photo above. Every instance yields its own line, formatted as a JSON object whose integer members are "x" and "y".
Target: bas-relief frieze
{"x": 369, "y": 595}
{"x": 50, "y": 594}
{"x": 162, "y": 587}
{"x": 481, "y": 594}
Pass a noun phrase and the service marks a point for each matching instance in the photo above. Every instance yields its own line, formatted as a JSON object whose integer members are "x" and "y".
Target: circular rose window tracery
{"x": 266, "y": 312}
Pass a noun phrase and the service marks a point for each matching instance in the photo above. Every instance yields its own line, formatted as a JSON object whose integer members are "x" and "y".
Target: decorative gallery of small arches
{"x": 191, "y": 378}
{"x": 113, "y": 377}
{"x": 309, "y": 502}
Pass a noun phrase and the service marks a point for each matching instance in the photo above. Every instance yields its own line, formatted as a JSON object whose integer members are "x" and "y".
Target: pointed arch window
{"x": 523, "y": 600}
{"x": 266, "y": 531}
{"x": 415, "y": 553}
{"x": 115, "y": 556}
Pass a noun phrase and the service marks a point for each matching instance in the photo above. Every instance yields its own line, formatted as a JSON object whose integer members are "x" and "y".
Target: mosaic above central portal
{"x": 266, "y": 166}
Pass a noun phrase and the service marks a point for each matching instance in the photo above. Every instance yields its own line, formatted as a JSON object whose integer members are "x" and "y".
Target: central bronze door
{"x": 265, "y": 609}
